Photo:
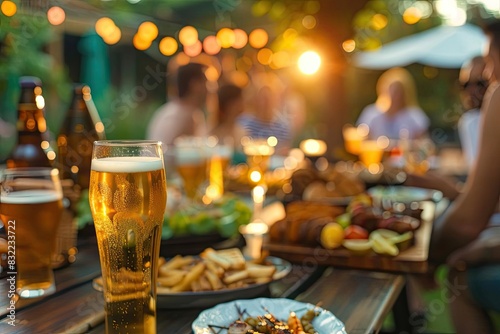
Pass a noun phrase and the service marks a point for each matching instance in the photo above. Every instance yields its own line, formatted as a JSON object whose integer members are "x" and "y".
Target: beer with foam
{"x": 128, "y": 198}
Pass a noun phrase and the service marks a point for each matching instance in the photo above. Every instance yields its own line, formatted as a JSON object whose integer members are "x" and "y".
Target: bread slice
{"x": 230, "y": 258}
{"x": 234, "y": 256}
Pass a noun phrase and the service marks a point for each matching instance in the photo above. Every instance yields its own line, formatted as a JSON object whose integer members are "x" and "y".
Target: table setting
{"x": 281, "y": 265}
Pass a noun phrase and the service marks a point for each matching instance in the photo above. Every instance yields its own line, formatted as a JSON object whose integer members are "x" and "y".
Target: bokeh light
{"x": 188, "y": 35}
{"x": 349, "y": 45}
{"x": 212, "y": 74}
{"x": 309, "y": 22}
{"x": 412, "y": 15}
{"x": 240, "y": 38}
{"x": 113, "y": 37}
{"x": 258, "y": 38}
{"x": 309, "y": 62}
{"x": 264, "y": 56}
{"x": 140, "y": 43}
{"x": 226, "y": 37}
{"x": 210, "y": 45}
{"x": 148, "y": 31}
{"x": 168, "y": 46}
{"x": 105, "y": 27}
{"x": 194, "y": 49}
{"x": 379, "y": 21}
{"x": 56, "y": 15}
{"x": 272, "y": 141}
{"x": 8, "y": 8}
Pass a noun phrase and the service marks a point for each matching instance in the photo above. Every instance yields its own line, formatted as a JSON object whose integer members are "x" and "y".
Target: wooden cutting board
{"x": 412, "y": 260}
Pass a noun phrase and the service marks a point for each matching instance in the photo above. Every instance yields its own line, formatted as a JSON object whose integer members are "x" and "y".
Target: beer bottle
{"x": 33, "y": 146}
{"x": 81, "y": 127}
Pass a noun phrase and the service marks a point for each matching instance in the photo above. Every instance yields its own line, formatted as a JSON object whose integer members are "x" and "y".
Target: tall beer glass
{"x": 128, "y": 197}
{"x": 31, "y": 208}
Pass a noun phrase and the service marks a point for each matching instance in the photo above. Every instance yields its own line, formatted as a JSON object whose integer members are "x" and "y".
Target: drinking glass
{"x": 417, "y": 154}
{"x": 258, "y": 152}
{"x": 353, "y": 137}
{"x": 31, "y": 208}
{"x": 127, "y": 197}
{"x": 191, "y": 163}
{"x": 219, "y": 154}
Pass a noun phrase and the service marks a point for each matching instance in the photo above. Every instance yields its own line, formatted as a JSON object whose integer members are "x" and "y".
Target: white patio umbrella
{"x": 443, "y": 46}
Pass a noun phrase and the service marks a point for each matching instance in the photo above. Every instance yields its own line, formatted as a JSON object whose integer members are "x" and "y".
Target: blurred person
{"x": 264, "y": 119}
{"x": 182, "y": 115}
{"x": 294, "y": 108}
{"x": 396, "y": 107}
{"x": 231, "y": 105}
{"x": 473, "y": 82}
{"x": 463, "y": 237}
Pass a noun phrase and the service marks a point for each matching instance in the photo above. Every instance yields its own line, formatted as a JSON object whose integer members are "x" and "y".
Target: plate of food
{"x": 213, "y": 277}
{"x": 243, "y": 316}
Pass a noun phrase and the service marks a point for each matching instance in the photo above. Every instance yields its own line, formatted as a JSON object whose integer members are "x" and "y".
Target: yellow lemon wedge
{"x": 358, "y": 246}
{"x": 332, "y": 236}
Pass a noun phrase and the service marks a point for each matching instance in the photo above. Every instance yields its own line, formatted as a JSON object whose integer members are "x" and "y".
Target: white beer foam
{"x": 189, "y": 156}
{"x": 35, "y": 196}
{"x": 127, "y": 164}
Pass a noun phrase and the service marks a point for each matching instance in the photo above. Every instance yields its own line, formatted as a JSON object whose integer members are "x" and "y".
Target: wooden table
{"x": 360, "y": 299}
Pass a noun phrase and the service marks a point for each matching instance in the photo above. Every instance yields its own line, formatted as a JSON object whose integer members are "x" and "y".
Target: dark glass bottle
{"x": 81, "y": 127}
{"x": 33, "y": 146}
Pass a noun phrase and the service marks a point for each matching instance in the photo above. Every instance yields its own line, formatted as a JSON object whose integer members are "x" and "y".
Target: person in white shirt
{"x": 183, "y": 115}
{"x": 472, "y": 79}
{"x": 396, "y": 107}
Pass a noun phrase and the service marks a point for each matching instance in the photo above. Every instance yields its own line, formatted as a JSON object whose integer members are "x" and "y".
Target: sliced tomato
{"x": 355, "y": 232}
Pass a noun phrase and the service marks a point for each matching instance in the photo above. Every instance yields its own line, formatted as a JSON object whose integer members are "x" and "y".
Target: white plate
{"x": 224, "y": 314}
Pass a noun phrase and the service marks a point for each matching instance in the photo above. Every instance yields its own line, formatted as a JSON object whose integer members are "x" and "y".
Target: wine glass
{"x": 258, "y": 152}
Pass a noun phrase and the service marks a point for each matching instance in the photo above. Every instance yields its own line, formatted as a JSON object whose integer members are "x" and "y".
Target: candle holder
{"x": 254, "y": 234}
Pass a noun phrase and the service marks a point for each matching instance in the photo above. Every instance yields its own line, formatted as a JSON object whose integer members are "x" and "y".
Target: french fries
{"x": 212, "y": 271}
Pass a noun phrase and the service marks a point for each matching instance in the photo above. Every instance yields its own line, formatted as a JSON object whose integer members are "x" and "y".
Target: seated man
{"x": 182, "y": 116}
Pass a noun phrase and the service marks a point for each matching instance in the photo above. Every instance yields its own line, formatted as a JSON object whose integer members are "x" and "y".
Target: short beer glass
{"x": 30, "y": 209}
{"x": 191, "y": 162}
{"x": 127, "y": 198}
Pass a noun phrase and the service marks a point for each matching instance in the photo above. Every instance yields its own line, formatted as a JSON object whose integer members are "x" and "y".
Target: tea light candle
{"x": 313, "y": 147}
{"x": 254, "y": 234}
